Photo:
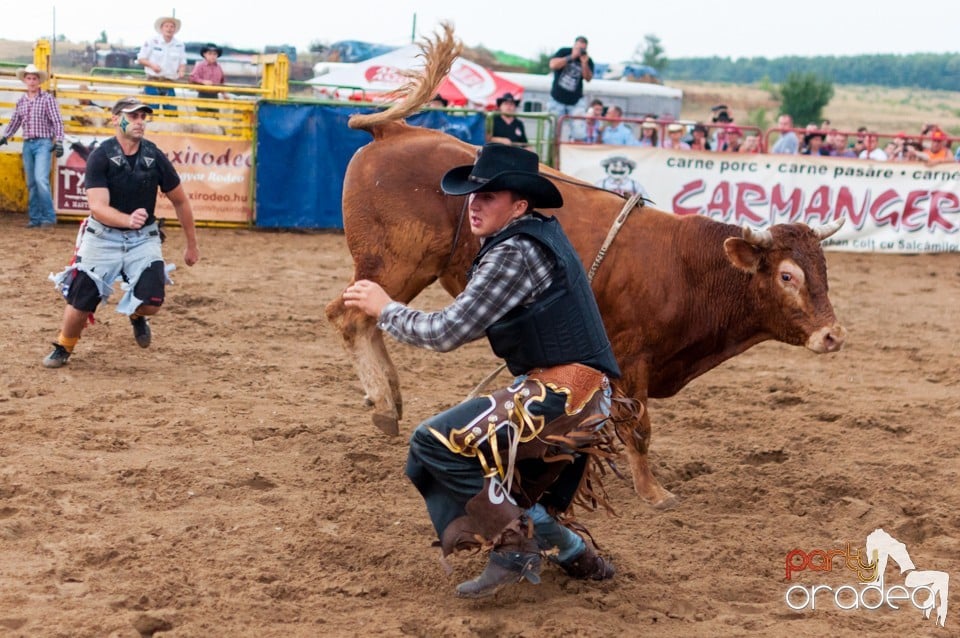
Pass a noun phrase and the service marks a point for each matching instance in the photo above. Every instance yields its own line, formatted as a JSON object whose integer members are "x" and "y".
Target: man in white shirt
{"x": 871, "y": 150}
{"x": 164, "y": 58}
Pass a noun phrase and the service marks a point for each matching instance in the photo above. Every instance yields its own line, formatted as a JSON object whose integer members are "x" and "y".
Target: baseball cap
{"x": 129, "y": 105}
{"x": 938, "y": 135}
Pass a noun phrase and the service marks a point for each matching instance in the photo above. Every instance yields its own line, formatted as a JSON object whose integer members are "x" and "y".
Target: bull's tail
{"x": 439, "y": 54}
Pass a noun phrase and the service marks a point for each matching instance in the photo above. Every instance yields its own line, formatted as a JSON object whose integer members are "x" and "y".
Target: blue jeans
{"x": 36, "y": 165}
{"x": 552, "y": 534}
{"x": 561, "y": 110}
{"x": 160, "y": 90}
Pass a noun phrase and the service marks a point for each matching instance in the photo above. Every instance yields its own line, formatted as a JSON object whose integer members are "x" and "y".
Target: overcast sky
{"x": 686, "y": 28}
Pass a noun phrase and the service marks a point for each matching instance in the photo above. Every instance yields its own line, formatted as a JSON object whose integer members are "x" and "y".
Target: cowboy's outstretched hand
{"x": 366, "y": 295}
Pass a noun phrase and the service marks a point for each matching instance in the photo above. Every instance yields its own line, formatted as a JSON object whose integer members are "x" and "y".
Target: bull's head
{"x": 789, "y": 274}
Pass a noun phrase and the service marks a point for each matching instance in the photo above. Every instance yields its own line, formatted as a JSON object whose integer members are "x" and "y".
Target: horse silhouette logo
{"x": 882, "y": 548}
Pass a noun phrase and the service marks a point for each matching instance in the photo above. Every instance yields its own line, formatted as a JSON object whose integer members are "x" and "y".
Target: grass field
{"x": 881, "y": 109}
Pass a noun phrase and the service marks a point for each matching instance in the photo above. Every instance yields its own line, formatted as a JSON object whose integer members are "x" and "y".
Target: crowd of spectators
{"x": 600, "y": 124}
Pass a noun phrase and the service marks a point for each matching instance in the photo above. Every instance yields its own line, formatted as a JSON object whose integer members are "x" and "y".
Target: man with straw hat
{"x": 164, "y": 58}
{"x": 39, "y": 115}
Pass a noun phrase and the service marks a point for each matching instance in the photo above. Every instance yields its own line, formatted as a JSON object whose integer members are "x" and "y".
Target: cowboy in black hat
{"x": 507, "y": 129}
{"x": 208, "y": 71}
{"x": 490, "y": 467}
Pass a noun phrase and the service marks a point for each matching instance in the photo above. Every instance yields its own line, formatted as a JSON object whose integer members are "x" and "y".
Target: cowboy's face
{"x": 32, "y": 80}
{"x": 491, "y": 211}
{"x": 508, "y": 106}
{"x": 210, "y": 56}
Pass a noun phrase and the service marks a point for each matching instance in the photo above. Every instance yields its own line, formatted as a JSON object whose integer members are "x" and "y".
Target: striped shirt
{"x": 513, "y": 273}
{"x": 39, "y": 116}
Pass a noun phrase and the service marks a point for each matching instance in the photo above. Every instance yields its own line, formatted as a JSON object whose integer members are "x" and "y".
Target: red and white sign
{"x": 467, "y": 84}
{"x": 890, "y": 207}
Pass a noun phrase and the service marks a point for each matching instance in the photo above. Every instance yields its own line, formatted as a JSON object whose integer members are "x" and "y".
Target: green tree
{"x": 651, "y": 53}
{"x": 541, "y": 65}
{"x": 804, "y": 96}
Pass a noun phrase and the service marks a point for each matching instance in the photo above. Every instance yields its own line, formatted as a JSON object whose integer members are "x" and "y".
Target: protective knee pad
{"x": 83, "y": 293}
{"x": 150, "y": 286}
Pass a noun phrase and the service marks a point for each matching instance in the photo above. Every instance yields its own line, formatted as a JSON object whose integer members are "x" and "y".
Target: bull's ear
{"x": 742, "y": 254}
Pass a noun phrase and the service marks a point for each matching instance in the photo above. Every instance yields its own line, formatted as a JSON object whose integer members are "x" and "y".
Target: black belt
{"x": 152, "y": 233}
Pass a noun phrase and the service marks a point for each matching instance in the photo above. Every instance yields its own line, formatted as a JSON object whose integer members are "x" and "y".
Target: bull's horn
{"x": 825, "y": 230}
{"x": 761, "y": 238}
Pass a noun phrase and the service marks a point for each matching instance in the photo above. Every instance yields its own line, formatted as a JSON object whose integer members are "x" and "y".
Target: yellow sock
{"x": 69, "y": 343}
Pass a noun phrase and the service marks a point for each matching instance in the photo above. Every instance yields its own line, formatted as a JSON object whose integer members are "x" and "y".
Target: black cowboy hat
{"x": 506, "y": 97}
{"x": 502, "y": 167}
{"x": 211, "y": 47}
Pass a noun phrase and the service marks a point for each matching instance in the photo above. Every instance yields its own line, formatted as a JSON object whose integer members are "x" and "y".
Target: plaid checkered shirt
{"x": 513, "y": 273}
{"x": 40, "y": 118}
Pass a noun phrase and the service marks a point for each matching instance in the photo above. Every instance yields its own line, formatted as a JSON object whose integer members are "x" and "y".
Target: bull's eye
{"x": 786, "y": 277}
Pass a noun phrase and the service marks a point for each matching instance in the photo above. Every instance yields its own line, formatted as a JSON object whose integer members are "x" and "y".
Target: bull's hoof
{"x": 387, "y": 424}
{"x": 668, "y": 502}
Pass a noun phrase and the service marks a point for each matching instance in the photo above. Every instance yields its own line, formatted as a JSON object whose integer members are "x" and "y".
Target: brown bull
{"x": 678, "y": 295}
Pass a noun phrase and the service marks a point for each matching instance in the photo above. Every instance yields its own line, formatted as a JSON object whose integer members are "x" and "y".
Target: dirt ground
{"x": 227, "y": 481}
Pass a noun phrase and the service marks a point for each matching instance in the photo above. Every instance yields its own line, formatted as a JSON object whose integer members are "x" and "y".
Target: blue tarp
{"x": 302, "y": 155}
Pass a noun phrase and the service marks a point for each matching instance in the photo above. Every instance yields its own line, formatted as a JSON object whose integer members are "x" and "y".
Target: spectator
{"x": 674, "y": 138}
{"x": 813, "y": 144}
{"x": 649, "y": 135}
{"x": 39, "y": 115}
{"x": 809, "y": 128}
{"x": 721, "y": 118}
{"x": 571, "y": 67}
{"x": 870, "y": 149}
{"x": 733, "y": 137}
{"x": 164, "y": 58}
{"x": 788, "y": 144}
{"x": 913, "y": 151}
{"x": 751, "y": 144}
{"x": 859, "y": 143}
{"x": 208, "y": 72}
{"x": 938, "y": 149}
{"x": 838, "y": 145}
{"x": 615, "y": 131}
{"x": 438, "y": 102}
{"x": 507, "y": 129}
{"x": 588, "y": 129}
{"x": 698, "y": 138}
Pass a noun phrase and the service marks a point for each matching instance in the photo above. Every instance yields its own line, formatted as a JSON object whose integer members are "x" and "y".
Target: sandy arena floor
{"x": 228, "y": 482}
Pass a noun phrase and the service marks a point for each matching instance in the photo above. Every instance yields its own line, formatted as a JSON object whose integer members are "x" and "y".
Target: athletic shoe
{"x": 141, "y": 331}
{"x": 57, "y": 358}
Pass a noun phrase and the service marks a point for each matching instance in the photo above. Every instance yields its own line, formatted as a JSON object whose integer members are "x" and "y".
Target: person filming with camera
{"x": 571, "y": 67}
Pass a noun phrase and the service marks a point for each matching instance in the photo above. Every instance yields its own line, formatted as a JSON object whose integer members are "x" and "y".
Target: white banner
{"x": 890, "y": 207}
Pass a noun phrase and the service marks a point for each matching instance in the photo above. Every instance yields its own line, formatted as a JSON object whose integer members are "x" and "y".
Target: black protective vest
{"x": 132, "y": 188}
{"x": 563, "y": 325}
